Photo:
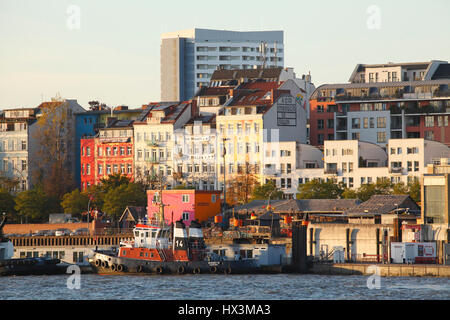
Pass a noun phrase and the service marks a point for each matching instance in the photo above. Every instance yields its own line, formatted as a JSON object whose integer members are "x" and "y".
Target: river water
{"x": 221, "y": 287}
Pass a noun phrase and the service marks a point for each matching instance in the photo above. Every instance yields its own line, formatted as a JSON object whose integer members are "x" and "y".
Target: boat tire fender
{"x": 181, "y": 269}
{"x": 120, "y": 268}
{"x": 114, "y": 267}
{"x": 140, "y": 269}
{"x": 228, "y": 270}
{"x": 196, "y": 270}
{"x": 213, "y": 269}
{"x": 104, "y": 264}
{"x": 98, "y": 263}
{"x": 159, "y": 270}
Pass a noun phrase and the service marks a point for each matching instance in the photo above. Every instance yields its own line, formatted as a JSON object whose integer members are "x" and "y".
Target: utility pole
{"x": 224, "y": 177}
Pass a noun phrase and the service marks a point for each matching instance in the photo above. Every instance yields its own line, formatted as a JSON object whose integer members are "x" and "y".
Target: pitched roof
{"x": 382, "y": 204}
{"x": 270, "y": 73}
{"x": 137, "y": 213}
{"x": 311, "y": 205}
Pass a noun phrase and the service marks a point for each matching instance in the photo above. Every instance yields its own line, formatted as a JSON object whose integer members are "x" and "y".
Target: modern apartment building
{"x": 189, "y": 57}
{"x": 352, "y": 162}
{"x": 413, "y": 104}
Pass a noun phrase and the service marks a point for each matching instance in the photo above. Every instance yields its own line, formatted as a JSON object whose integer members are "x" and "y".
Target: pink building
{"x": 187, "y": 205}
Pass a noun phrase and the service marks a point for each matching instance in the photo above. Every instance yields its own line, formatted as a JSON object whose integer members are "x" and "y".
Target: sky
{"x": 110, "y": 50}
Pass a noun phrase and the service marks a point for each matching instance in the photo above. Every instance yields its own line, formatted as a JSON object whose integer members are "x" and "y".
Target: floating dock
{"x": 386, "y": 270}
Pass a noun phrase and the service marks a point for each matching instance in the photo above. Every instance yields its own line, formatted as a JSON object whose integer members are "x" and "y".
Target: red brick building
{"x": 110, "y": 152}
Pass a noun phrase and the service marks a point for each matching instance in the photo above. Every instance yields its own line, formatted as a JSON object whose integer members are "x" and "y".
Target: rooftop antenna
{"x": 275, "y": 50}
{"x": 263, "y": 51}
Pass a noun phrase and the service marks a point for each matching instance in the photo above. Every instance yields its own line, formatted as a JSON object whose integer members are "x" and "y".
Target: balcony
{"x": 153, "y": 143}
{"x": 153, "y": 160}
{"x": 270, "y": 172}
{"x": 331, "y": 171}
{"x": 396, "y": 170}
{"x": 177, "y": 175}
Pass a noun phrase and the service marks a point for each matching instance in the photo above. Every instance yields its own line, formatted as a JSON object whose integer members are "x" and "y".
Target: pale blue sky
{"x": 114, "y": 56}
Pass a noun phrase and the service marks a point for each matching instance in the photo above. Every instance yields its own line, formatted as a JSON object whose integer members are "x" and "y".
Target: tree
{"x": 263, "y": 192}
{"x": 7, "y": 204}
{"x": 113, "y": 181}
{"x": 117, "y": 199}
{"x": 8, "y": 184}
{"x": 415, "y": 190}
{"x": 32, "y": 205}
{"x": 316, "y": 189}
{"x": 52, "y": 158}
{"x": 75, "y": 202}
{"x": 241, "y": 187}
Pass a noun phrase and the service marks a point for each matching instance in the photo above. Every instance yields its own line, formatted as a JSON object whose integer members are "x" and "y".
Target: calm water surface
{"x": 220, "y": 287}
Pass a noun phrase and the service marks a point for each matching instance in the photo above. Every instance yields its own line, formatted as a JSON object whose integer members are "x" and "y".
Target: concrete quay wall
{"x": 386, "y": 270}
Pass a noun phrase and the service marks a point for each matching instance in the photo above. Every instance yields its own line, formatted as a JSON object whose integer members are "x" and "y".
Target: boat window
{"x": 142, "y": 235}
{"x": 146, "y": 234}
{"x": 136, "y": 233}
{"x": 153, "y": 233}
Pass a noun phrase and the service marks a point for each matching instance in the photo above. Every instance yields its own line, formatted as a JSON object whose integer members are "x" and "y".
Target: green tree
{"x": 316, "y": 189}
{"x": 117, "y": 199}
{"x": 7, "y": 204}
{"x": 33, "y": 205}
{"x": 75, "y": 202}
{"x": 415, "y": 190}
{"x": 383, "y": 187}
{"x": 113, "y": 181}
{"x": 262, "y": 192}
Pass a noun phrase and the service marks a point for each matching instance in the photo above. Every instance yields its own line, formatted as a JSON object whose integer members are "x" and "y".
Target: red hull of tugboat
{"x": 104, "y": 263}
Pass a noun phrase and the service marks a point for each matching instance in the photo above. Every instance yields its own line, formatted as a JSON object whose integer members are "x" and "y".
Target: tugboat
{"x": 161, "y": 248}
{"x": 28, "y": 266}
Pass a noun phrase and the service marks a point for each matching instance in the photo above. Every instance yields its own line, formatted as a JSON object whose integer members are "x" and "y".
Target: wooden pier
{"x": 71, "y": 241}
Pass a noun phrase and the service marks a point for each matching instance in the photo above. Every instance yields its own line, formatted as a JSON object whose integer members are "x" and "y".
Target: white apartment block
{"x": 189, "y": 57}
{"x": 154, "y": 138}
{"x": 355, "y": 163}
{"x": 395, "y": 72}
{"x": 196, "y": 155}
{"x": 16, "y": 136}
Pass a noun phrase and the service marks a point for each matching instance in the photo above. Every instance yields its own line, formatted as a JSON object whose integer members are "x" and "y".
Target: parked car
{"x": 80, "y": 232}
{"x": 62, "y": 232}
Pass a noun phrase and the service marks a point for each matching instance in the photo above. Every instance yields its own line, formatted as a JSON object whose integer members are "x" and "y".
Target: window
{"x": 88, "y": 151}
{"x": 122, "y": 151}
{"x": 185, "y": 216}
{"x": 116, "y": 168}
{"x": 429, "y": 121}
{"x": 416, "y": 166}
{"x": 355, "y": 123}
{"x": 88, "y": 169}
{"x": 115, "y": 151}
{"x": 289, "y": 183}
{"x": 185, "y": 198}
{"x": 381, "y": 122}
{"x": 392, "y": 150}
{"x": 24, "y": 145}
{"x": 381, "y": 137}
{"x": 344, "y": 167}
{"x": 320, "y": 109}
{"x": 355, "y": 135}
{"x": 366, "y": 123}
{"x": 320, "y": 124}
{"x": 129, "y": 151}
{"x": 108, "y": 169}
{"x": 100, "y": 169}
{"x": 24, "y": 165}
{"x": 320, "y": 138}
{"x": 409, "y": 166}
{"x": 372, "y": 123}
{"x": 350, "y": 167}
{"x": 213, "y": 198}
